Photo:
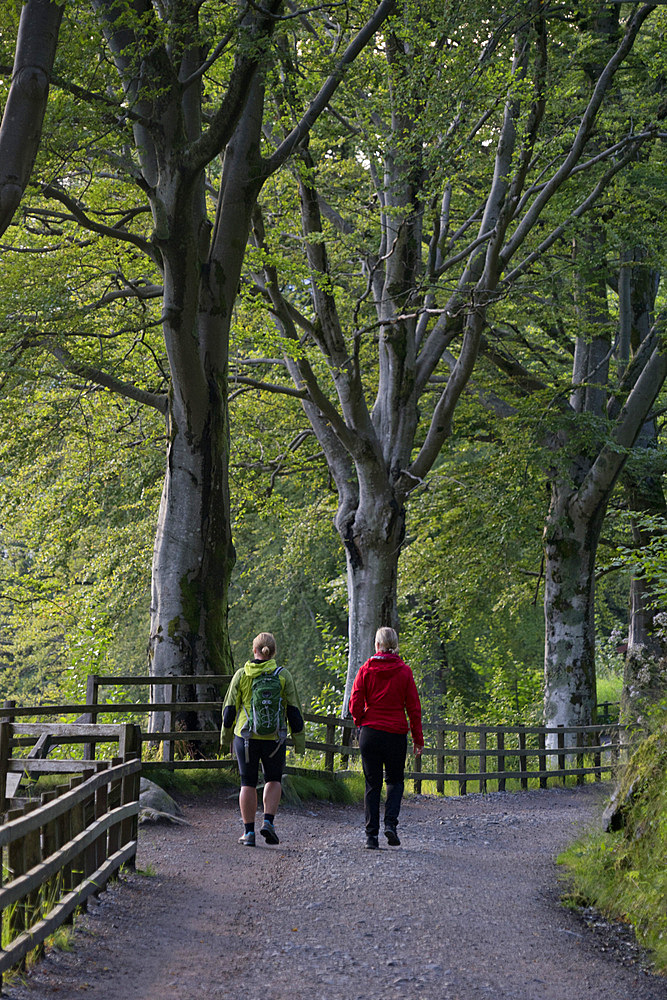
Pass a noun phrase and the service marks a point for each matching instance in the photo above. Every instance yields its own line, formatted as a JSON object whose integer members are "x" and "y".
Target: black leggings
{"x": 268, "y": 752}
{"x": 380, "y": 751}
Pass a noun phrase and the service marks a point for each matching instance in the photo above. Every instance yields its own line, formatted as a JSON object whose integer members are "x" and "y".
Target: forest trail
{"x": 466, "y": 909}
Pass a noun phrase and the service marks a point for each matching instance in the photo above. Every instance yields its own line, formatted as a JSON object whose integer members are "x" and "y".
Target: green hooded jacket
{"x": 236, "y": 706}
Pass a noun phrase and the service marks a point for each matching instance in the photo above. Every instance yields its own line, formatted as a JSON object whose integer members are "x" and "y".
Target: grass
{"x": 296, "y": 787}
{"x": 345, "y": 787}
{"x": 609, "y": 688}
{"x": 624, "y": 873}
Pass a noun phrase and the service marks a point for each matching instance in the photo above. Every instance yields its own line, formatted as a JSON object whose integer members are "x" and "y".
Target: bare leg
{"x": 248, "y": 803}
{"x": 272, "y": 792}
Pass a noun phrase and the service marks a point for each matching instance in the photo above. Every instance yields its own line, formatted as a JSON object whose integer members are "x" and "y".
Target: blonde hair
{"x": 386, "y": 639}
{"x": 265, "y": 644}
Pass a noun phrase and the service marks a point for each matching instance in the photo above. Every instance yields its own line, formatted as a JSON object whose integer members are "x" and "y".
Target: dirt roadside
{"x": 467, "y": 908}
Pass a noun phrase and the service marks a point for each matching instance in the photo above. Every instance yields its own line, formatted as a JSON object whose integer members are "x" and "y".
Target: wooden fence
{"x": 469, "y": 756}
{"x": 61, "y": 849}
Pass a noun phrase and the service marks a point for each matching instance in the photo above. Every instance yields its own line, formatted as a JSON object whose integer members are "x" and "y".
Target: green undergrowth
{"x": 624, "y": 873}
{"x": 296, "y": 787}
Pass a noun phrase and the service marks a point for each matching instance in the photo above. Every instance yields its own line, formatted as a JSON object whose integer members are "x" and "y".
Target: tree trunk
{"x": 194, "y": 553}
{"x": 644, "y": 670}
{"x": 23, "y": 116}
{"x": 570, "y": 546}
{"x": 643, "y": 677}
{"x": 372, "y": 546}
{"x": 192, "y": 561}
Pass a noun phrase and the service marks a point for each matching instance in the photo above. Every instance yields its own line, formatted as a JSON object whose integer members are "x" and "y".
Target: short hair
{"x": 265, "y": 644}
{"x": 387, "y": 640}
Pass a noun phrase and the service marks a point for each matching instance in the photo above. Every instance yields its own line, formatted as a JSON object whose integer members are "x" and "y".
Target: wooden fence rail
{"x": 61, "y": 849}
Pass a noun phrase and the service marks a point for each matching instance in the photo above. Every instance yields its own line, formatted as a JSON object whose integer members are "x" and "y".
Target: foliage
{"x": 77, "y": 508}
{"x": 624, "y": 874}
{"x": 82, "y": 468}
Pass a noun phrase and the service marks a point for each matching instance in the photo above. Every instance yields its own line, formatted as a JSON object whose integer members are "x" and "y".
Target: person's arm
{"x": 294, "y": 714}
{"x": 229, "y": 710}
{"x": 358, "y": 698}
{"x": 414, "y": 710}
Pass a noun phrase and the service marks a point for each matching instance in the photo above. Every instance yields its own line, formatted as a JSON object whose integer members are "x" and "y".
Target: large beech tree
{"x": 473, "y": 183}
{"x": 23, "y": 114}
{"x": 182, "y": 87}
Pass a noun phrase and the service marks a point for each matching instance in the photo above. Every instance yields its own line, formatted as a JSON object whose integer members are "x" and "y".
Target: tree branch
{"x": 254, "y": 383}
{"x": 329, "y": 87}
{"x": 583, "y": 133}
{"x": 157, "y": 400}
{"x": 79, "y": 215}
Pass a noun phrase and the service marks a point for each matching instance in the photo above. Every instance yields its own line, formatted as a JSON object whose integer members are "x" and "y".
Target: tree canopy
{"x": 370, "y": 265}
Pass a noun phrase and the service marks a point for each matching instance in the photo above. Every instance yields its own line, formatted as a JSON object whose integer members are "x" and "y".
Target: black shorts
{"x": 272, "y": 760}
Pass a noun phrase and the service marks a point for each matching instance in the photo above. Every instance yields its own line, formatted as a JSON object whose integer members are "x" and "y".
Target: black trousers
{"x": 382, "y": 752}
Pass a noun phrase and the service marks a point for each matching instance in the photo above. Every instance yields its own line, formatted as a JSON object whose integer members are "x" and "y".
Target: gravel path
{"x": 466, "y": 909}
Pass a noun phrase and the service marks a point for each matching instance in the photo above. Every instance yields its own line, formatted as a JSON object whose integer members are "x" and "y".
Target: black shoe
{"x": 268, "y": 831}
{"x": 392, "y": 836}
{"x": 372, "y": 843}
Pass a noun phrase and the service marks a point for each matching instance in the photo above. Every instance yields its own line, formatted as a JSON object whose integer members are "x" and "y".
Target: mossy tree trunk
{"x": 644, "y": 671}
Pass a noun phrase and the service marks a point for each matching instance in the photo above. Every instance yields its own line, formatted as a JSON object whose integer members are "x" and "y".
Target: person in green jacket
{"x": 239, "y": 729}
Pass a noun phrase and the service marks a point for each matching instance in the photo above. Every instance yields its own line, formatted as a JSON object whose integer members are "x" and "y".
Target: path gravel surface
{"x": 467, "y": 908}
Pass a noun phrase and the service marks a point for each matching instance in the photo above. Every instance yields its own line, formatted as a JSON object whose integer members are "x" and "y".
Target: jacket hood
{"x": 253, "y": 669}
{"x": 385, "y": 663}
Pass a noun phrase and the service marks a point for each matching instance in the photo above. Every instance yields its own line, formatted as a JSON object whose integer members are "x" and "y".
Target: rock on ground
{"x": 466, "y": 909}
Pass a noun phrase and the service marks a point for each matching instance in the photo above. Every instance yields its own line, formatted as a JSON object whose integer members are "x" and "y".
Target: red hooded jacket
{"x": 383, "y": 691}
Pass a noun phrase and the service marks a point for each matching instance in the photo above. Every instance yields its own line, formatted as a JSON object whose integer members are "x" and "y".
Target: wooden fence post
{"x": 4, "y": 762}
{"x": 1, "y": 869}
{"x": 345, "y": 741}
{"x": 463, "y": 784}
{"x": 115, "y": 792}
{"x": 597, "y": 756}
{"x": 73, "y": 873}
{"x": 129, "y": 748}
{"x": 100, "y": 845}
{"x": 330, "y": 739}
{"x": 561, "y": 755}
{"x": 92, "y": 688}
{"x": 51, "y": 888}
{"x": 523, "y": 762}
{"x": 417, "y": 784}
{"x": 440, "y": 760}
{"x": 501, "y": 761}
{"x": 482, "y": 760}
{"x": 168, "y": 744}
{"x": 542, "y": 743}
{"x": 20, "y": 855}
{"x": 581, "y": 742}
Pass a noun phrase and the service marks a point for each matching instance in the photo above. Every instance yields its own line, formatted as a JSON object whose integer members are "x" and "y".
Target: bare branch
{"x": 157, "y": 400}
{"x": 556, "y": 234}
{"x": 329, "y": 87}
{"x": 583, "y": 133}
{"x": 79, "y": 215}
{"x": 132, "y": 290}
{"x": 254, "y": 383}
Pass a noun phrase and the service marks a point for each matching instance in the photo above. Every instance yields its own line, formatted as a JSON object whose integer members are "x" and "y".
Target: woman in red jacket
{"x": 383, "y": 691}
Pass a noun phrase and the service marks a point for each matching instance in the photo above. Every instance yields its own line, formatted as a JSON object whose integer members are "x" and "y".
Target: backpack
{"x": 265, "y": 717}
